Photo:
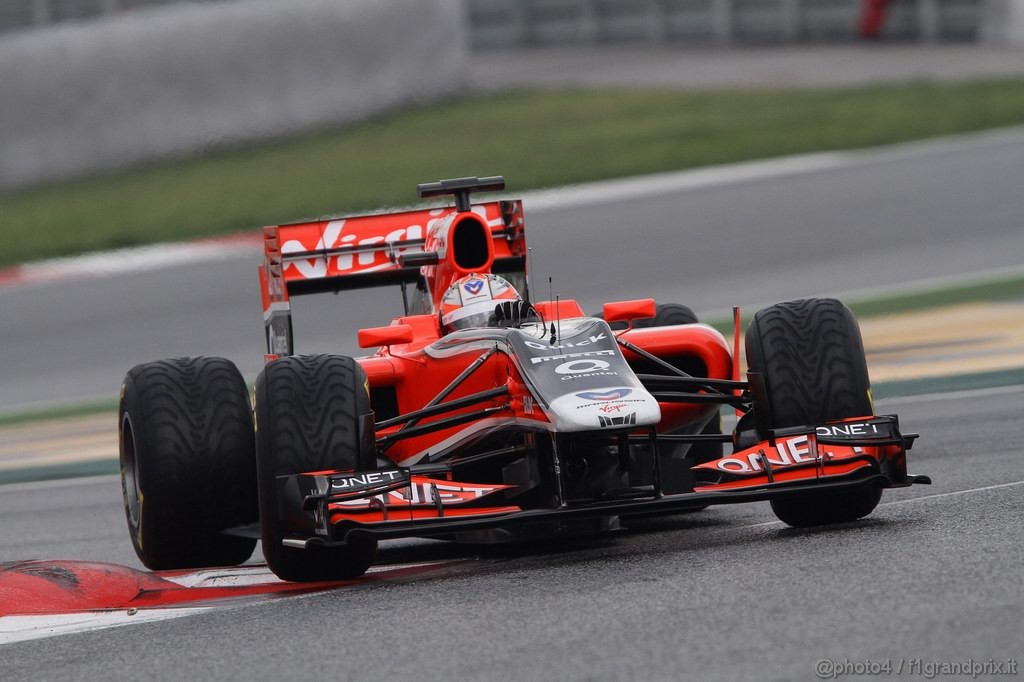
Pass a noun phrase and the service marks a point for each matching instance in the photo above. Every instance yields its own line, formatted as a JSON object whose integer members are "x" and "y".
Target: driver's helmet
{"x": 470, "y": 301}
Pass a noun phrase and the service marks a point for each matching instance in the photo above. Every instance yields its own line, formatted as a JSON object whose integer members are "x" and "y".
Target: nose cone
{"x": 610, "y": 408}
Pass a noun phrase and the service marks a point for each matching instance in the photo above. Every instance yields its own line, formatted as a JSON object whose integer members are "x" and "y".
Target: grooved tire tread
{"x": 811, "y": 357}
{"x": 308, "y": 412}
{"x": 189, "y": 423}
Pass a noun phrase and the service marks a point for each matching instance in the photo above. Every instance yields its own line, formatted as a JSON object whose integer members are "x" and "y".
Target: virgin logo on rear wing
{"x": 364, "y": 244}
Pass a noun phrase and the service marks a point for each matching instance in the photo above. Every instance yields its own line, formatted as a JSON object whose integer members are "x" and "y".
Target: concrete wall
{"x": 514, "y": 23}
{"x": 1004, "y": 22}
{"x": 108, "y": 93}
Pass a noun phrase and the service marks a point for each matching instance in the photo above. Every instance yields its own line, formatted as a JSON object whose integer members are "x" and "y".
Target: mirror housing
{"x": 375, "y": 337}
{"x": 627, "y": 311}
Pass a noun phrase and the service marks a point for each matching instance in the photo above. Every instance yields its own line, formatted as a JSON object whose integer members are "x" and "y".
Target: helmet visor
{"x": 473, "y": 315}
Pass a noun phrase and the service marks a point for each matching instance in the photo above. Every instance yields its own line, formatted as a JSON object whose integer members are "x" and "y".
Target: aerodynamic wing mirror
{"x": 385, "y": 336}
{"x": 627, "y": 311}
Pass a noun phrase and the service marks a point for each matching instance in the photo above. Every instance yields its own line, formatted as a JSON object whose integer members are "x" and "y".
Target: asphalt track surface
{"x": 727, "y": 593}
{"x": 872, "y": 219}
{"x": 934, "y": 574}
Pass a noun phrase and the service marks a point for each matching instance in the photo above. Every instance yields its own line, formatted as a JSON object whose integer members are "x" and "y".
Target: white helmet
{"x": 470, "y": 301}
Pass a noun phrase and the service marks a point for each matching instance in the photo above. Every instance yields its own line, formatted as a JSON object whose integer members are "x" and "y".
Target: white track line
{"x": 25, "y": 628}
{"x": 20, "y": 628}
{"x": 162, "y": 256}
{"x": 953, "y": 493}
{"x": 654, "y": 184}
{"x": 907, "y": 501}
{"x": 657, "y": 184}
{"x": 141, "y": 259}
{"x": 146, "y": 258}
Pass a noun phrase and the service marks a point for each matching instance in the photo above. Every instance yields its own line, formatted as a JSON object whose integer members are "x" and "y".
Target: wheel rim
{"x": 129, "y": 472}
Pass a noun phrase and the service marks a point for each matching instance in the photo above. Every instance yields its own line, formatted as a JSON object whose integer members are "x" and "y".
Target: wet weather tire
{"x": 810, "y": 358}
{"x": 188, "y": 467}
{"x": 308, "y": 415}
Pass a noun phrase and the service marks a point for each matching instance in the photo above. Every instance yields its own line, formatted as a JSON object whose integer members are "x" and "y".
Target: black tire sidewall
{"x": 313, "y": 563}
{"x": 194, "y": 483}
{"x": 770, "y": 411}
{"x": 821, "y": 334}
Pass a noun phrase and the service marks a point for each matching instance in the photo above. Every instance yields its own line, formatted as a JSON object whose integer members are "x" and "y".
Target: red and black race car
{"x": 484, "y": 415}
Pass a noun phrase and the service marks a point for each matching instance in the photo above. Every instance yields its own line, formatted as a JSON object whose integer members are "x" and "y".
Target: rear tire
{"x": 811, "y": 358}
{"x": 308, "y": 415}
{"x": 668, "y": 314}
{"x": 187, "y": 462}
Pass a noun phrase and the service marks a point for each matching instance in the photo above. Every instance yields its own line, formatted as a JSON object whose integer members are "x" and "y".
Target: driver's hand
{"x": 513, "y": 312}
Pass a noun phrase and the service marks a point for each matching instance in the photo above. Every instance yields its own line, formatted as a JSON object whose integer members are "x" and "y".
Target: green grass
{"x": 534, "y": 139}
{"x": 99, "y": 467}
{"x": 82, "y": 409}
{"x": 964, "y": 382}
{"x": 1011, "y": 288}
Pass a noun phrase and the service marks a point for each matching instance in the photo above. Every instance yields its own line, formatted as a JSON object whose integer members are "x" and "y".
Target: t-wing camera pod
{"x": 461, "y": 188}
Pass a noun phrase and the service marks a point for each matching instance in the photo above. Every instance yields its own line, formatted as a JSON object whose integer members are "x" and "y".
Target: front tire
{"x": 810, "y": 356}
{"x": 187, "y": 462}
{"x": 308, "y": 415}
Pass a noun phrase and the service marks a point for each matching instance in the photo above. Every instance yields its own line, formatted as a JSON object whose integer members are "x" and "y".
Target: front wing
{"x": 331, "y": 508}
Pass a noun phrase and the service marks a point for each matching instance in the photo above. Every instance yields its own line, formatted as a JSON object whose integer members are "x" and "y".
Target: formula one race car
{"x": 484, "y": 415}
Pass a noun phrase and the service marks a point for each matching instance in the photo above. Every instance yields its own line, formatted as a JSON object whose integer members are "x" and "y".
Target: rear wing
{"x": 376, "y": 250}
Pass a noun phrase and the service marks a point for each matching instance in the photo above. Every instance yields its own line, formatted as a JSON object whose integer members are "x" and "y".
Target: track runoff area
{"x": 51, "y": 598}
